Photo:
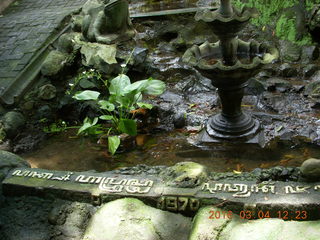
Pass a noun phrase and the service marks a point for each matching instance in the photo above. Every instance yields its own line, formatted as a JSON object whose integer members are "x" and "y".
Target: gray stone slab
{"x": 285, "y": 200}
{"x": 25, "y": 20}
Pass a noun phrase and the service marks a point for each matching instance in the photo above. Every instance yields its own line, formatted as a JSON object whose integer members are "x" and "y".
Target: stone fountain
{"x": 230, "y": 63}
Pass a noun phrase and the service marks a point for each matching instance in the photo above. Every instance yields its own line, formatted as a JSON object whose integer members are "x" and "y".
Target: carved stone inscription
{"x": 179, "y": 204}
{"x": 119, "y": 184}
{"x": 241, "y": 190}
{"x": 105, "y": 184}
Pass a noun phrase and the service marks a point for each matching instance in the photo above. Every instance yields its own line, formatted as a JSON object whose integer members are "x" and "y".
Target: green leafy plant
{"x": 88, "y": 78}
{"x": 124, "y": 97}
{"x": 55, "y": 127}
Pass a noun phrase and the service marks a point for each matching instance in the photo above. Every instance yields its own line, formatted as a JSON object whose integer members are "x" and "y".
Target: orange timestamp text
{"x": 250, "y": 215}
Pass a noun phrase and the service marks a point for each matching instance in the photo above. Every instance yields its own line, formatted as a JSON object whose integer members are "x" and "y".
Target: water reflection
{"x": 78, "y": 154}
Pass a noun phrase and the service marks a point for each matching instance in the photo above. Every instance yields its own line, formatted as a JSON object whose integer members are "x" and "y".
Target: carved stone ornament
{"x": 107, "y": 21}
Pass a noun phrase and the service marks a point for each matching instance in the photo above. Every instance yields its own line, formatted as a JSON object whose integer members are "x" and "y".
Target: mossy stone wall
{"x": 281, "y": 16}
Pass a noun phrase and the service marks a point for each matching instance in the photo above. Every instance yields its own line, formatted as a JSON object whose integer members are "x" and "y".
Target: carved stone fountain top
{"x": 229, "y": 63}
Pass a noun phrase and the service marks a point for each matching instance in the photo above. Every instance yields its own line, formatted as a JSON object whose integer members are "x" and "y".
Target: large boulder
{"x": 131, "y": 219}
{"x": 231, "y": 227}
{"x": 206, "y": 225}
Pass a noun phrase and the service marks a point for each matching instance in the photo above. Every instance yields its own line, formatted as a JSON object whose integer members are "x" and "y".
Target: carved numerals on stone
{"x": 178, "y": 204}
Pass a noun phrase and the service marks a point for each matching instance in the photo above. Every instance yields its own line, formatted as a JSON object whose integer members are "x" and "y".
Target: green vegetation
{"x": 88, "y": 78}
{"x": 268, "y": 9}
{"x": 55, "y": 127}
{"x": 278, "y": 13}
{"x": 286, "y": 29}
{"x": 118, "y": 108}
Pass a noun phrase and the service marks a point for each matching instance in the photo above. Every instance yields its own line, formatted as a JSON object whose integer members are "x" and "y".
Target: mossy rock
{"x": 289, "y": 51}
{"x": 131, "y": 219}
{"x": 54, "y": 63}
{"x": 185, "y": 174}
{"x": 206, "y": 225}
{"x": 12, "y": 123}
{"x": 66, "y": 42}
{"x": 9, "y": 161}
{"x": 313, "y": 89}
{"x": 100, "y": 56}
{"x": 310, "y": 169}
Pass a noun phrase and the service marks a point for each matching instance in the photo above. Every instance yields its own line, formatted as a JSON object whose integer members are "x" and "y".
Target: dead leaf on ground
{"x": 141, "y": 139}
{"x": 141, "y": 111}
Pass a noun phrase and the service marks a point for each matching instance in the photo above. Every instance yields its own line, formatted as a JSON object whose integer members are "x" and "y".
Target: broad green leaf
{"x": 94, "y": 130}
{"x": 136, "y": 87}
{"x": 106, "y": 117}
{"x": 118, "y": 84}
{"x": 95, "y": 120}
{"x": 122, "y": 101}
{"x": 106, "y": 105}
{"x": 155, "y": 87}
{"x": 87, "y": 95}
{"x": 128, "y": 126}
{"x": 87, "y": 123}
{"x": 137, "y": 97}
{"x": 145, "y": 105}
{"x": 113, "y": 144}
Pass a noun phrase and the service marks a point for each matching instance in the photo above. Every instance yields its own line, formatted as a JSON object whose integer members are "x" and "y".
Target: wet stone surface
{"x": 162, "y": 191}
{"x": 25, "y": 27}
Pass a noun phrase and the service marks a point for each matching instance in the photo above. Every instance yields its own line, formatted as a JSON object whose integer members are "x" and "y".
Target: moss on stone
{"x": 267, "y": 11}
{"x": 286, "y": 30}
{"x": 275, "y": 12}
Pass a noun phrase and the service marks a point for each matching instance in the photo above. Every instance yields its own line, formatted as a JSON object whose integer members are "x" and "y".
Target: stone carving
{"x": 179, "y": 204}
{"x": 240, "y": 190}
{"x": 128, "y": 185}
{"x": 296, "y": 189}
{"x": 32, "y": 174}
{"x": 99, "y": 188}
{"x": 63, "y": 178}
{"x": 107, "y": 21}
{"x": 115, "y": 185}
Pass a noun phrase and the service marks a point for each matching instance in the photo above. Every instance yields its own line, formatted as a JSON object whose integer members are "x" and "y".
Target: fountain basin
{"x": 226, "y": 25}
{"x": 251, "y": 56}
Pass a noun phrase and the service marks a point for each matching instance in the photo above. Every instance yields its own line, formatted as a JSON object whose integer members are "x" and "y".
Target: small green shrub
{"x": 123, "y": 98}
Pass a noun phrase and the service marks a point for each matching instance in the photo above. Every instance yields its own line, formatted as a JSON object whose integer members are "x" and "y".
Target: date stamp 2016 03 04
{"x": 250, "y": 215}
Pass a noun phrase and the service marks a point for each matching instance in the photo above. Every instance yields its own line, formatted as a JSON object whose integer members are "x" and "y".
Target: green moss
{"x": 286, "y": 29}
{"x": 310, "y": 3}
{"x": 272, "y": 11}
{"x": 268, "y": 9}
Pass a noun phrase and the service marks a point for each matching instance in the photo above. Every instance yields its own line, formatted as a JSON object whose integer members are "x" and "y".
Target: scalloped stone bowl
{"x": 207, "y": 59}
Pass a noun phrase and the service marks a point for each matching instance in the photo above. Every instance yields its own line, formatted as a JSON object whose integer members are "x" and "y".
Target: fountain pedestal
{"x": 230, "y": 63}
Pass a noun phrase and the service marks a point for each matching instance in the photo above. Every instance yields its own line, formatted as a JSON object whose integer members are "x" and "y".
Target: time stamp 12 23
{"x": 260, "y": 214}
